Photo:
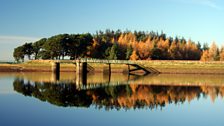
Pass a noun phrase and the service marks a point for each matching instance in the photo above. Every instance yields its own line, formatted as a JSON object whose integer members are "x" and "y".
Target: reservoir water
{"x": 38, "y": 99}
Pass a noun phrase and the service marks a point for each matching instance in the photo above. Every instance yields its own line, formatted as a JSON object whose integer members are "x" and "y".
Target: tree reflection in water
{"x": 115, "y": 97}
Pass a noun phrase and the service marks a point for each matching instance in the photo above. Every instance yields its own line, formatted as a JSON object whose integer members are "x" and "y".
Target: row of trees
{"x": 213, "y": 53}
{"x": 109, "y": 44}
{"x": 56, "y": 47}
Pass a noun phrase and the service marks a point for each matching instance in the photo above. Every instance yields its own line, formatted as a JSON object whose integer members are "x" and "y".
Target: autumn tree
{"x": 174, "y": 50}
{"x": 143, "y": 50}
{"x": 213, "y": 52}
{"x": 163, "y": 47}
{"x": 205, "y": 56}
{"x": 134, "y": 56}
{"x": 222, "y": 54}
{"x": 193, "y": 51}
{"x": 109, "y": 44}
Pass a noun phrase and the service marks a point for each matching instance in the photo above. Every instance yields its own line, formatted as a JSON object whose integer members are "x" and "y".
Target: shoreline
{"x": 163, "y": 66}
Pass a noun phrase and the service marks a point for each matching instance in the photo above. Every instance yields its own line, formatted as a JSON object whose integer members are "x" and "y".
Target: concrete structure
{"x": 82, "y": 67}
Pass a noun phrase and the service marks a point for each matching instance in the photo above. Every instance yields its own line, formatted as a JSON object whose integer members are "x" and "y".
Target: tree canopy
{"x": 122, "y": 45}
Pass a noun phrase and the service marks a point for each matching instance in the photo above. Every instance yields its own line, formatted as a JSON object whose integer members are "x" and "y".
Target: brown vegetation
{"x": 163, "y": 66}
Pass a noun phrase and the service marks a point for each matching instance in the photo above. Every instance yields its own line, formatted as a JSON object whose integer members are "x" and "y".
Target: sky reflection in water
{"x": 162, "y": 100}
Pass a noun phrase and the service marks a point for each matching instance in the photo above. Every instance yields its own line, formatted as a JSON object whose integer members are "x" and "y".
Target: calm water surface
{"x": 30, "y": 99}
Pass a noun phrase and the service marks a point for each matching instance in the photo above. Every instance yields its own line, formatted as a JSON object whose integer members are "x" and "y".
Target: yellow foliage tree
{"x": 222, "y": 54}
{"x": 143, "y": 50}
{"x": 213, "y": 52}
{"x": 127, "y": 38}
{"x": 134, "y": 56}
{"x": 205, "y": 56}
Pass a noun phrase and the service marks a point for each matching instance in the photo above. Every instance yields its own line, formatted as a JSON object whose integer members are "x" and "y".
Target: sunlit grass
{"x": 216, "y": 67}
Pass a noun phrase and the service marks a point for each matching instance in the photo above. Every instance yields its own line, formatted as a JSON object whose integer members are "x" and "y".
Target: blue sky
{"x": 29, "y": 20}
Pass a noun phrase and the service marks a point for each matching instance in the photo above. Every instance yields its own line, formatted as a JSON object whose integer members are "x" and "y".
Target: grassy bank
{"x": 214, "y": 67}
{"x": 196, "y": 67}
